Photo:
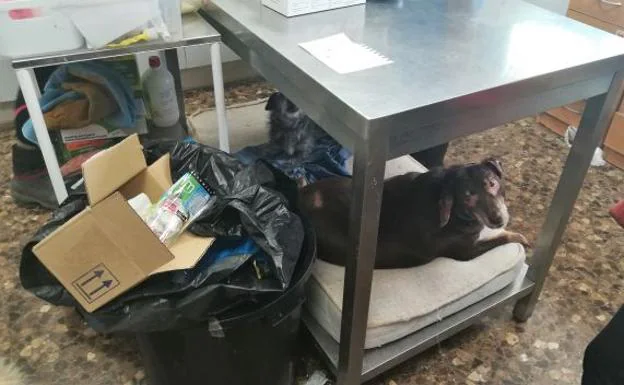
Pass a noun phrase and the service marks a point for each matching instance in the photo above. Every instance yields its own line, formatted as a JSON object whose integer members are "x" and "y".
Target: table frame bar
{"x": 30, "y": 89}
{"x": 595, "y": 121}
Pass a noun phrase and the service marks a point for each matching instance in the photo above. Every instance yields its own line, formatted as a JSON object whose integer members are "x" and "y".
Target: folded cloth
{"x": 96, "y": 105}
{"x": 74, "y": 165}
{"x": 94, "y": 72}
{"x": 327, "y": 159}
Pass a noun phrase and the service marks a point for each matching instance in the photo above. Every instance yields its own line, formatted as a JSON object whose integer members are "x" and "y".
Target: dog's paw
{"x": 518, "y": 238}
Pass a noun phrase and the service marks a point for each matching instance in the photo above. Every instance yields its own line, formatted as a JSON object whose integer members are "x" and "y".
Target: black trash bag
{"x": 250, "y": 209}
{"x": 248, "y": 203}
{"x": 166, "y": 302}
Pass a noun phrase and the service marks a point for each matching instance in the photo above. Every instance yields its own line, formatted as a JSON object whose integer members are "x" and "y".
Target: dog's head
{"x": 475, "y": 191}
{"x": 281, "y": 105}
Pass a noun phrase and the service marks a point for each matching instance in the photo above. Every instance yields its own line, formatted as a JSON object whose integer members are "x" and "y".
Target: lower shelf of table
{"x": 376, "y": 361}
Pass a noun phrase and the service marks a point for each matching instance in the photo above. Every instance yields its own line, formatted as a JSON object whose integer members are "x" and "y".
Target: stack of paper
{"x": 344, "y": 56}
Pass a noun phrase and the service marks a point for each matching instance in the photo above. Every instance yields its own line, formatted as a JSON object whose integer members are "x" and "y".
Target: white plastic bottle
{"x": 172, "y": 15}
{"x": 159, "y": 86}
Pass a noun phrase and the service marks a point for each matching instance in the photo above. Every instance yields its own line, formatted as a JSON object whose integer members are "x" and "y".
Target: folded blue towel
{"x": 53, "y": 93}
{"x": 327, "y": 159}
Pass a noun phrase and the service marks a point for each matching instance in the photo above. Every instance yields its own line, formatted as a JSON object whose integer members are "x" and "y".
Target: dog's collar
{"x": 465, "y": 217}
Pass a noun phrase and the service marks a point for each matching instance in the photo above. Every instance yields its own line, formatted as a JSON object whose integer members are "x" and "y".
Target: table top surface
{"x": 441, "y": 50}
{"x": 196, "y": 31}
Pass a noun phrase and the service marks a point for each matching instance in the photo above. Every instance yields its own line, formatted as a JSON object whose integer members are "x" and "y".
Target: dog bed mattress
{"x": 404, "y": 301}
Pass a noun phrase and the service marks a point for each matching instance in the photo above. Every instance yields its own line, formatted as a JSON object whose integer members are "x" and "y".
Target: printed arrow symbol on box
{"x": 96, "y": 274}
{"x": 105, "y": 284}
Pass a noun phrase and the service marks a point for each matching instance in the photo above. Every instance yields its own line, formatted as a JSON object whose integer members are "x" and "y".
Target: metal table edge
{"x": 83, "y": 54}
{"x": 566, "y": 77}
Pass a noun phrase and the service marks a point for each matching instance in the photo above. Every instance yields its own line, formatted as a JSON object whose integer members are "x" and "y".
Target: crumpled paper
{"x": 317, "y": 378}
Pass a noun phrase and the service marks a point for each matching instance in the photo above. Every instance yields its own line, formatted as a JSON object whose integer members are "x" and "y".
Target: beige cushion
{"x": 404, "y": 301}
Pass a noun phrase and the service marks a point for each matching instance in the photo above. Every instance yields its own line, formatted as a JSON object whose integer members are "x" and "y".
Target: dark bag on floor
{"x": 251, "y": 205}
{"x": 603, "y": 363}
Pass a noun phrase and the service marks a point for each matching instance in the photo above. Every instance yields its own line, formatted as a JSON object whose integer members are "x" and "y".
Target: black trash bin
{"x": 255, "y": 347}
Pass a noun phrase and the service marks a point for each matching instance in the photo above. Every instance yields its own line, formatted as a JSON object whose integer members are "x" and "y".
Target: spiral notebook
{"x": 343, "y": 55}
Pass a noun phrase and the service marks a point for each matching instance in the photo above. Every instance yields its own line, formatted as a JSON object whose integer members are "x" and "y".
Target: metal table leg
{"x": 219, "y": 96}
{"x": 594, "y": 123}
{"x": 30, "y": 89}
{"x": 173, "y": 65}
{"x": 368, "y": 176}
{"x": 171, "y": 57}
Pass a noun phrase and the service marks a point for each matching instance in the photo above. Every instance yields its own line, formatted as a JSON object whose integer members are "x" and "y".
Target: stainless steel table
{"x": 460, "y": 67}
{"x": 195, "y": 32}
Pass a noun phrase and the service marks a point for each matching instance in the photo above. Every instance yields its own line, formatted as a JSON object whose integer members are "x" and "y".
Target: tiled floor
{"x": 584, "y": 289}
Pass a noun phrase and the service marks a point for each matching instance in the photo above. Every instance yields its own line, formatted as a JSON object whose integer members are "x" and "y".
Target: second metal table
{"x": 459, "y": 68}
{"x": 195, "y": 32}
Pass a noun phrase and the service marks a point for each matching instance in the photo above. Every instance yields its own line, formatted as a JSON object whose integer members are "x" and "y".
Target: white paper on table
{"x": 344, "y": 56}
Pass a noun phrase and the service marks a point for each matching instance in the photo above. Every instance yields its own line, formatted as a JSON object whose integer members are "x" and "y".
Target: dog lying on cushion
{"x": 458, "y": 212}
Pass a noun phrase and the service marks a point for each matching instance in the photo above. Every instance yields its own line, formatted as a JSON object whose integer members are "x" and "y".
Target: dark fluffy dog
{"x": 290, "y": 129}
{"x": 458, "y": 212}
{"x": 294, "y": 133}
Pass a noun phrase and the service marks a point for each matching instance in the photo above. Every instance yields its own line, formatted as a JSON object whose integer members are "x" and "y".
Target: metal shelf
{"x": 196, "y": 31}
{"x": 376, "y": 361}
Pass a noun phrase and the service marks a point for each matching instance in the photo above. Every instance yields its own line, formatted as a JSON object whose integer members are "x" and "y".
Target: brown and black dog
{"x": 458, "y": 212}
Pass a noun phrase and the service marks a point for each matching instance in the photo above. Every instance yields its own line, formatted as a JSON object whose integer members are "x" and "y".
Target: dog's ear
{"x": 494, "y": 165}
{"x": 445, "y": 200}
{"x": 272, "y": 102}
{"x": 446, "y": 205}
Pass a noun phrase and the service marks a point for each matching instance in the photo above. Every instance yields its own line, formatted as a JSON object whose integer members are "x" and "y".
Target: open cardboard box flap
{"x": 107, "y": 248}
{"x": 110, "y": 169}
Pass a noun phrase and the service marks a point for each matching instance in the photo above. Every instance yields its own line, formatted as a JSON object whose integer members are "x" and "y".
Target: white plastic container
{"x": 172, "y": 15}
{"x": 301, "y": 7}
{"x": 103, "y": 21}
{"x": 159, "y": 88}
{"x": 33, "y": 27}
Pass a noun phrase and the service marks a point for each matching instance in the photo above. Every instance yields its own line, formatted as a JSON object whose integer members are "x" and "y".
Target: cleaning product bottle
{"x": 159, "y": 87}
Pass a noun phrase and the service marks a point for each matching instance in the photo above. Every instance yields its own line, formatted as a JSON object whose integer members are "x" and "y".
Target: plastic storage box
{"x": 31, "y": 27}
{"x": 301, "y": 7}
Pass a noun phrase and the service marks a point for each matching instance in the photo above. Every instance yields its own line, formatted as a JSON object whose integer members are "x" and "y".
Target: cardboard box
{"x": 301, "y": 7}
{"x": 107, "y": 249}
{"x": 614, "y": 141}
{"x": 583, "y": 18}
{"x": 614, "y": 158}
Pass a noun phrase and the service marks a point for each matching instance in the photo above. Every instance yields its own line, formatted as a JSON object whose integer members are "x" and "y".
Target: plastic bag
{"x": 251, "y": 262}
{"x": 178, "y": 207}
{"x": 597, "y": 158}
{"x": 248, "y": 202}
